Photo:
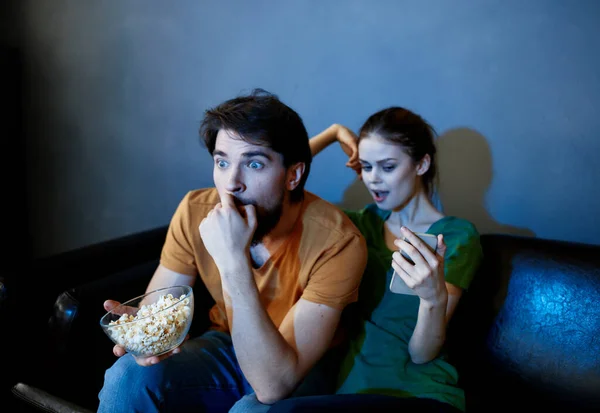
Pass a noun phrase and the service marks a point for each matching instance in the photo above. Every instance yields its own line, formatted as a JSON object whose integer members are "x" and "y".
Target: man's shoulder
{"x": 322, "y": 214}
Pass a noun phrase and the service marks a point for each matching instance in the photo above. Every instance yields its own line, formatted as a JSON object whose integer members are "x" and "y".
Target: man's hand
{"x": 120, "y": 351}
{"x": 226, "y": 233}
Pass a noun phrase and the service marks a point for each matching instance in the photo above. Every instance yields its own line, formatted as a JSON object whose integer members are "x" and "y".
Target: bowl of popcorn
{"x": 151, "y": 324}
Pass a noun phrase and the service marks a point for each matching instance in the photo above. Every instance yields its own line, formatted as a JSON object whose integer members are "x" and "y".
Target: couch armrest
{"x": 77, "y": 311}
{"x": 82, "y": 349}
{"x": 3, "y": 293}
{"x": 45, "y": 401}
{"x": 79, "y": 347}
{"x": 69, "y": 358}
{"x": 54, "y": 274}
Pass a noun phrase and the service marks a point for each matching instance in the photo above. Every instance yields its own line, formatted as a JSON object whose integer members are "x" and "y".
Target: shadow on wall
{"x": 465, "y": 174}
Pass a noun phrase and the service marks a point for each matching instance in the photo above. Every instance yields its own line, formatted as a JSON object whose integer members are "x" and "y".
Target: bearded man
{"x": 280, "y": 263}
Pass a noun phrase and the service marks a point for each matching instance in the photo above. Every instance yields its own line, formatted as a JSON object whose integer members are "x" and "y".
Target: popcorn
{"x": 153, "y": 331}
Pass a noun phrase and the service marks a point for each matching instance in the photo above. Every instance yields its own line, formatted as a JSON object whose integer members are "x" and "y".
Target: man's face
{"x": 254, "y": 175}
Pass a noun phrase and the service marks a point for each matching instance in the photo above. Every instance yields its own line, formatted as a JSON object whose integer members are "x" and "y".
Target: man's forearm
{"x": 267, "y": 360}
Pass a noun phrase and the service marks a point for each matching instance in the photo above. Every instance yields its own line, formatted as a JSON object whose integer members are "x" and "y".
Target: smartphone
{"x": 397, "y": 285}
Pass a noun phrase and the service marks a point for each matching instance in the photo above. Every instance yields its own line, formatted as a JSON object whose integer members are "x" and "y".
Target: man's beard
{"x": 266, "y": 221}
{"x": 266, "y": 218}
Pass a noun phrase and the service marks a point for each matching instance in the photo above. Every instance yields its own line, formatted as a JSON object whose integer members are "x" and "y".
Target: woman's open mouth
{"x": 380, "y": 196}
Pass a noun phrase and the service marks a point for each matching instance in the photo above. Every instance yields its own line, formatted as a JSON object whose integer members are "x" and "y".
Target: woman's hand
{"x": 347, "y": 139}
{"x": 426, "y": 276}
{"x": 349, "y": 143}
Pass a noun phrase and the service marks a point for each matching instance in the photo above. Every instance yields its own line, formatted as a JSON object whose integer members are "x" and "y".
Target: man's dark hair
{"x": 262, "y": 119}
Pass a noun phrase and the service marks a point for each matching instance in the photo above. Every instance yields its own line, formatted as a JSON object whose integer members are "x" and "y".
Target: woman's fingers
{"x": 424, "y": 250}
{"x": 402, "y": 263}
{"x": 408, "y": 280}
{"x": 412, "y": 251}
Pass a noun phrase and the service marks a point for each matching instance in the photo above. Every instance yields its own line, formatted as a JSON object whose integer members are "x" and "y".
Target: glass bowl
{"x": 153, "y": 323}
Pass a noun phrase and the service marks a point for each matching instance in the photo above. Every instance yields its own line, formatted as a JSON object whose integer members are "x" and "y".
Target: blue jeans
{"x": 359, "y": 403}
{"x": 204, "y": 377}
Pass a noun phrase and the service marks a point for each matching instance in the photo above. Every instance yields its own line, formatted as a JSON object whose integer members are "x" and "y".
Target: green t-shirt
{"x": 378, "y": 360}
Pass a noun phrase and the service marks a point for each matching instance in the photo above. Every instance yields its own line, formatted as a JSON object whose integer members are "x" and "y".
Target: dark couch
{"x": 526, "y": 334}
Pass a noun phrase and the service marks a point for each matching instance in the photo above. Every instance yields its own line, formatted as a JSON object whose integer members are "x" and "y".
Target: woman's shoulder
{"x": 463, "y": 249}
{"x": 451, "y": 224}
{"x": 459, "y": 234}
{"x": 369, "y": 215}
{"x": 369, "y": 211}
{"x": 369, "y": 221}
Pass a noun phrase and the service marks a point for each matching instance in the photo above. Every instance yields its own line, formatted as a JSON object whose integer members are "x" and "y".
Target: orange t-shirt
{"x": 322, "y": 260}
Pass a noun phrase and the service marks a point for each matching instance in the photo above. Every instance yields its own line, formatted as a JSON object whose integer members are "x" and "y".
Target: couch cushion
{"x": 530, "y": 324}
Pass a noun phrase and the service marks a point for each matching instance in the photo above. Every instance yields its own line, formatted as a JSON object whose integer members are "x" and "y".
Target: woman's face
{"x": 389, "y": 173}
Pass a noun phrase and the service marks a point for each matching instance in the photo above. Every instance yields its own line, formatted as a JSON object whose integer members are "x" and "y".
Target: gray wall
{"x": 116, "y": 90}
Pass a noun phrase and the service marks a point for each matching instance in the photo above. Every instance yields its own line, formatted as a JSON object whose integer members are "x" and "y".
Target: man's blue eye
{"x": 255, "y": 165}
{"x": 221, "y": 163}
